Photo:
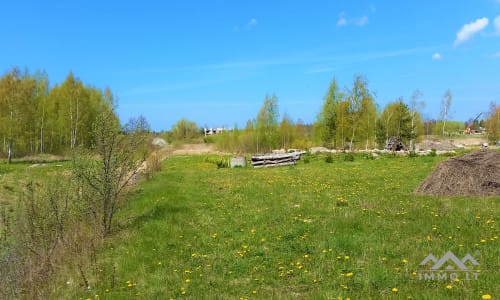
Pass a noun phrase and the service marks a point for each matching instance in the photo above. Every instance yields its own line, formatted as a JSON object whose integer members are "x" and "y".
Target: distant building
{"x": 218, "y": 130}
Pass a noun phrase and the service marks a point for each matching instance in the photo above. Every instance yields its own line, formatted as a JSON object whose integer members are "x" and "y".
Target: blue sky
{"x": 213, "y": 62}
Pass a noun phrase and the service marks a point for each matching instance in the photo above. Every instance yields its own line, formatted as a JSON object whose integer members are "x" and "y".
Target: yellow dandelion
{"x": 449, "y": 286}
{"x": 404, "y": 261}
{"x": 187, "y": 280}
{"x": 349, "y": 274}
{"x": 486, "y": 297}
{"x": 394, "y": 290}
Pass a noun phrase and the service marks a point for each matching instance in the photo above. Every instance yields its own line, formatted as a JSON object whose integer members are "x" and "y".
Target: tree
{"x": 493, "y": 123}
{"x": 380, "y": 133}
{"x": 185, "y": 131}
{"x": 103, "y": 178}
{"x": 361, "y": 111}
{"x": 287, "y": 131}
{"x": 415, "y": 104}
{"x": 397, "y": 120}
{"x": 16, "y": 111}
{"x": 445, "y": 109}
{"x": 267, "y": 124}
{"x": 326, "y": 123}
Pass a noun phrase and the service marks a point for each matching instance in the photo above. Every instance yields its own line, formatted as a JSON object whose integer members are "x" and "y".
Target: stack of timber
{"x": 276, "y": 160}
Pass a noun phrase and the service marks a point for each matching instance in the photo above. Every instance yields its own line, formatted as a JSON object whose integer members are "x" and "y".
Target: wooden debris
{"x": 275, "y": 160}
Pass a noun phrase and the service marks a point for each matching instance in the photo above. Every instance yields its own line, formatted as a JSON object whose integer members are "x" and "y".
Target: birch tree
{"x": 445, "y": 109}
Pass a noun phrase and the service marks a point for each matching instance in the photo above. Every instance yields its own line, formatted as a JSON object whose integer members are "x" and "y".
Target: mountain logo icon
{"x": 450, "y": 262}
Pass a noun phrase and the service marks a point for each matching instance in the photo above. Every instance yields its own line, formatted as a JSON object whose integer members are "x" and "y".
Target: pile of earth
{"x": 439, "y": 145}
{"x": 473, "y": 174}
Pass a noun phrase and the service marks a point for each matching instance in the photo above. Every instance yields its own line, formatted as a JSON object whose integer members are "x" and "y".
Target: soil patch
{"x": 473, "y": 174}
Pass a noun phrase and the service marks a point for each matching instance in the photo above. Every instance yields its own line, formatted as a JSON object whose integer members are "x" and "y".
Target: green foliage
{"x": 380, "y": 134}
{"x": 267, "y": 125}
{"x": 36, "y": 119}
{"x": 103, "y": 178}
{"x": 451, "y": 128}
{"x": 219, "y": 161}
{"x": 185, "y": 131}
{"x": 329, "y": 158}
{"x": 493, "y": 124}
{"x": 349, "y": 156}
{"x": 321, "y": 227}
{"x": 326, "y": 124}
{"x": 347, "y": 119}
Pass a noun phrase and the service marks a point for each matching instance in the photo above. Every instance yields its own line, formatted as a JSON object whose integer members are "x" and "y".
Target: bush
{"x": 412, "y": 154}
{"x": 349, "y": 156}
{"x": 433, "y": 152}
{"x": 220, "y": 162}
{"x": 329, "y": 158}
{"x": 153, "y": 165}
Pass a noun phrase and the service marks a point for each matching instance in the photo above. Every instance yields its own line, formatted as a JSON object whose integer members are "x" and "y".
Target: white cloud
{"x": 470, "y": 29}
{"x": 496, "y": 22}
{"x": 436, "y": 56}
{"x": 342, "y": 21}
{"x": 362, "y": 21}
{"x": 252, "y": 22}
{"x": 359, "y": 21}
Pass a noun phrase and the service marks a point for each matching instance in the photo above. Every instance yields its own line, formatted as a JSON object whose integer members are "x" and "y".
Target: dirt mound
{"x": 473, "y": 174}
{"x": 439, "y": 145}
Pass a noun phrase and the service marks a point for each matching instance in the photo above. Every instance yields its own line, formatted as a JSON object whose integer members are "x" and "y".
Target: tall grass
{"x": 346, "y": 229}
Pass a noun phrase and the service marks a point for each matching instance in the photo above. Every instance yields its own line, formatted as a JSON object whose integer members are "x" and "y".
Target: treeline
{"x": 349, "y": 119}
{"x": 36, "y": 118}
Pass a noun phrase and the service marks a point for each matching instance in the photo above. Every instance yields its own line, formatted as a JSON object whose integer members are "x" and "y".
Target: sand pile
{"x": 439, "y": 145}
{"x": 473, "y": 174}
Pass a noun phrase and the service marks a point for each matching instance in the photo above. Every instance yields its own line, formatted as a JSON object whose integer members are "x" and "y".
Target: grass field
{"x": 317, "y": 230}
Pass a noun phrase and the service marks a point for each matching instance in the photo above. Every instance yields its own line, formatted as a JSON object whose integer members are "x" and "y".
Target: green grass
{"x": 312, "y": 231}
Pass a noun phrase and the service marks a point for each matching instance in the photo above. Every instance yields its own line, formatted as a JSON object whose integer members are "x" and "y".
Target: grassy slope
{"x": 313, "y": 231}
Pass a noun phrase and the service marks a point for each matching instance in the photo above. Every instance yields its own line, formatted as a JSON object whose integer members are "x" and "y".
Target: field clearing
{"x": 316, "y": 230}
{"x": 312, "y": 231}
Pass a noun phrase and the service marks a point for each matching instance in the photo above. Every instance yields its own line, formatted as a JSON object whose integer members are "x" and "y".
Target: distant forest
{"x": 36, "y": 118}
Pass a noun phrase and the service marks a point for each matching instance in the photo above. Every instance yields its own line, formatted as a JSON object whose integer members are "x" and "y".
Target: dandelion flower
{"x": 349, "y": 274}
{"x": 394, "y": 290}
{"x": 486, "y": 297}
{"x": 449, "y": 286}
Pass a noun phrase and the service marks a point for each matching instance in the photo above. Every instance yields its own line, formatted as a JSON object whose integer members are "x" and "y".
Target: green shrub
{"x": 412, "y": 154}
{"x": 349, "y": 156}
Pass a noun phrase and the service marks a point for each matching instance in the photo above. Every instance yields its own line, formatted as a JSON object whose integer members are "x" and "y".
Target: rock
{"x": 314, "y": 150}
{"x": 159, "y": 142}
{"x": 239, "y": 161}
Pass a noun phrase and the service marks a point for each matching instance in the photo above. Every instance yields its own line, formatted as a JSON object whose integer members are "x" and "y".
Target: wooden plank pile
{"x": 276, "y": 160}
